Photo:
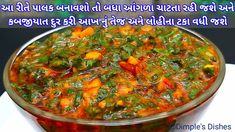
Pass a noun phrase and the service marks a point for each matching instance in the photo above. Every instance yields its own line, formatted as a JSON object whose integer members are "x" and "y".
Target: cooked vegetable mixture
{"x": 114, "y": 73}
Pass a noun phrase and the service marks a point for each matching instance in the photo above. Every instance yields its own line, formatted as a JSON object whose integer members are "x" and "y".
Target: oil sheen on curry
{"x": 114, "y": 73}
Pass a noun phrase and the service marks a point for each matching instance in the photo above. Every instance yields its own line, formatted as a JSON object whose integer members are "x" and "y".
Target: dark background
{"x": 11, "y": 39}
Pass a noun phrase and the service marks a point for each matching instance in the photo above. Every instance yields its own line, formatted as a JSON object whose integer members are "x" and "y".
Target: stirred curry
{"x": 115, "y": 72}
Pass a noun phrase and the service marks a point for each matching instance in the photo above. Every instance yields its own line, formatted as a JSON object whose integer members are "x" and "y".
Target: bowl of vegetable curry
{"x": 116, "y": 78}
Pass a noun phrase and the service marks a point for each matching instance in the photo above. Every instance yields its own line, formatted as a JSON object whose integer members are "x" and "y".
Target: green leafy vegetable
{"x": 193, "y": 93}
{"x": 129, "y": 48}
{"x": 78, "y": 98}
{"x": 102, "y": 94}
{"x": 43, "y": 59}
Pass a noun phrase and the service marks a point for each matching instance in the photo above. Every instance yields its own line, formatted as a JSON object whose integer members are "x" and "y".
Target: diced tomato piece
{"x": 77, "y": 29}
{"x": 87, "y": 32}
{"x": 52, "y": 73}
{"x": 127, "y": 66}
{"x": 132, "y": 60}
{"x": 93, "y": 55}
{"x": 168, "y": 83}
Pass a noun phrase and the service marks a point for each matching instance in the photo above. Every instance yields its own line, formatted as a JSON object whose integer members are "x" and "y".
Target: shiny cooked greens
{"x": 114, "y": 73}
